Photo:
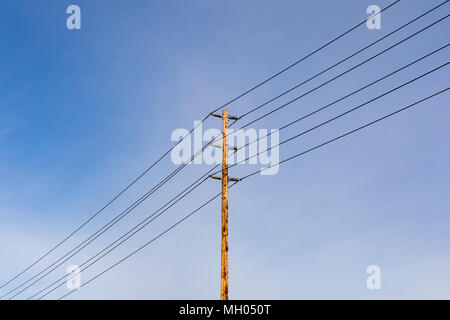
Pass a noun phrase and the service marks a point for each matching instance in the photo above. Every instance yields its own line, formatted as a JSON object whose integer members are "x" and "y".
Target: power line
{"x": 348, "y": 133}
{"x": 340, "y": 62}
{"x": 99, "y": 232}
{"x": 341, "y": 74}
{"x": 106, "y": 227}
{"x": 304, "y": 58}
{"x": 345, "y": 72}
{"x": 180, "y": 168}
{"x": 161, "y": 234}
{"x": 112, "y": 222}
{"x": 170, "y": 149}
{"x": 346, "y": 96}
{"x": 342, "y": 114}
{"x": 250, "y": 175}
{"x": 320, "y": 125}
{"x": 143, "y": 223}
{"x": 345, "y": 59}
{"x": 146, "y": 221}
{"x": 423, "y": 29}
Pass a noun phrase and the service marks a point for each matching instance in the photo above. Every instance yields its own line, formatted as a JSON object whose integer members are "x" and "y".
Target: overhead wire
{"x": 115, "y": 220}
{"x": 340, "y": 75}
{"x": 344, "y": 59}
{"x": 246, "y": 177}
{"x": 339, "y": 100}
{"x": 170, "y": 149}
{"x": 317, "y": 126}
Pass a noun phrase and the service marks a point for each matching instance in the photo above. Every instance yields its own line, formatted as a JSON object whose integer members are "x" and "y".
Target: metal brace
{"x": 229, "y": 179}
{"x": 220, "y": 116}
{"x": 229, "y": 147}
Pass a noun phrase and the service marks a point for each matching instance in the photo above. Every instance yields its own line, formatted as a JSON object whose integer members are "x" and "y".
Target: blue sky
{"x": 83, "y": 112}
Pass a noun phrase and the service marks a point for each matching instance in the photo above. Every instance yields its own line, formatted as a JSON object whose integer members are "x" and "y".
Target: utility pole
{"x": 224, "y": 179}
{"x": 224, "y": 264}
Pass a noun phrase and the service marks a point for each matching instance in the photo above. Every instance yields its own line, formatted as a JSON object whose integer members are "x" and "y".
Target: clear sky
{"x": 83, "y": 112}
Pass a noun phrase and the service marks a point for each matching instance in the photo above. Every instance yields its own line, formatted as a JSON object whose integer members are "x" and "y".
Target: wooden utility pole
{"x": 224, "y": 179}
{"x": 224, "y": 264}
